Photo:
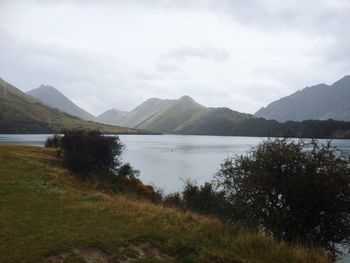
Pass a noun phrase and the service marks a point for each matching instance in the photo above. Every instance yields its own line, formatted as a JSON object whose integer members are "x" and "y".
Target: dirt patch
{"x": 80, "y": 255}
{"x": 141, "y": 252}
{"x": 133, "y": 252}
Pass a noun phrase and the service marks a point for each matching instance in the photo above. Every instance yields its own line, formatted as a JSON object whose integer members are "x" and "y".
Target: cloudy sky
{"x": 241, "y": 54}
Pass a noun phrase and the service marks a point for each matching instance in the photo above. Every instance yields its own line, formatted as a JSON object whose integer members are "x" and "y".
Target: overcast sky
{"x": 242, "y": 54}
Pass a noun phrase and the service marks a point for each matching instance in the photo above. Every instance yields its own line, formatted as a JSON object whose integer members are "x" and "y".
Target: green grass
{"x": 45, "y": 212}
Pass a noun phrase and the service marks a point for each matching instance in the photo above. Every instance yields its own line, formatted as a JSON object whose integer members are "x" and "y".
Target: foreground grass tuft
{"x": 47, "y": 216}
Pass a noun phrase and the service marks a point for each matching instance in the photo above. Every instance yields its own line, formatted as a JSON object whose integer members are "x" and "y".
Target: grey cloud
{"x": 147, "y": 75}
{"x": 329, "y": 18}
{"x": 98, "y": 80}
{"x": 166, "y": 66}
{"x": 206, "y": 53}
{"x": 86, "y": 77}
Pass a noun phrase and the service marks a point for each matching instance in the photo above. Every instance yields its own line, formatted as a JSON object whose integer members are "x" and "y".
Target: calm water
{"x": 168, "y": 160}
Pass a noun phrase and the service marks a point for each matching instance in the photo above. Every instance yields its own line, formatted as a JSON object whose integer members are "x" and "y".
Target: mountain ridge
{"x": 318, "y": 102}
{"x": 186, "y": 116}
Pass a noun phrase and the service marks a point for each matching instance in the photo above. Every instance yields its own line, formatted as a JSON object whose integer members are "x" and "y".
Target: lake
{"x": 167, "y": 161}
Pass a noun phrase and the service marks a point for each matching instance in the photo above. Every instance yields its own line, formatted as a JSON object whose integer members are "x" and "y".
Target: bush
{"x": 53, "y": 141}
{"x": 91, "y": 154}
{"x": 201, "y": 199}
{"x": 88, "y": 151}
{"x": 296, "y": 192}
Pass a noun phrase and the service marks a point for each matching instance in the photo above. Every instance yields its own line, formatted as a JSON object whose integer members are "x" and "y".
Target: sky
{"x": 241, "y": 54}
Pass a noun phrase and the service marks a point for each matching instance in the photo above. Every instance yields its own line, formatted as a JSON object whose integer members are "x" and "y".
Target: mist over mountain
{"x": 54, "y": 98}
{"x": 320, "y": 102}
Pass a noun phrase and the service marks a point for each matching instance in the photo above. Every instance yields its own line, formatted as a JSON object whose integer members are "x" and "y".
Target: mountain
{"x": 22, "y": 113}
{"x": 181, "y": 116}
{"x": 173, "y": 116}
{"x": 53, "y": 98}
{"x": 133, "y": 118}
{"x": 145, "y": 111}
{"x": 217, "y": 121}
{"x": 113, "y": 116}
{"x": 320, "y": 102}
{"x": 186, "y": 116}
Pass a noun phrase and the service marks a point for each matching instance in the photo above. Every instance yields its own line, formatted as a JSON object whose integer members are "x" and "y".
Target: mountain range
{"x": 45, "y": 109}
{"x": 182, "y": 116}
{"x": 23, "y": 113}
{"x": 320, "y": 102}
{"x": 186, "y": 116}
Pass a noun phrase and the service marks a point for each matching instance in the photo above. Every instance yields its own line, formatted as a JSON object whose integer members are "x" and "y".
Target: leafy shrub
{"x": 296, "y": 192}
{"x": 88, "y": 151}
{"x": 174, "y": 200}
{"x": 201, "y": 199}
{"x": 53, "y": 141}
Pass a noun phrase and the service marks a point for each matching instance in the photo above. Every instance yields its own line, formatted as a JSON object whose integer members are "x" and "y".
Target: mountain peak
{"x": 54, "y": 98}
{"x": 45, "y": 89}
{"x": 115, "y": 110}
{"x": 43, "y": 86}
{"x": 153, "y": 99}
{"x": 186, "y": 98}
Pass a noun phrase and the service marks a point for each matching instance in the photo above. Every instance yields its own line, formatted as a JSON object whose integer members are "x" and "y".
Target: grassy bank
{"x": 46, "y": 216}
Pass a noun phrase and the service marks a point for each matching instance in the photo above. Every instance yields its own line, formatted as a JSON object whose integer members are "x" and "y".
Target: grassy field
{"x": 47, "y": 216}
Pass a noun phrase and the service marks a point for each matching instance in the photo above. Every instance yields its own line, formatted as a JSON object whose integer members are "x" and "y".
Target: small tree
{"x": 295, "y": 191}
{"x": 90, "y": 153}
{"x": 86, "y": 151}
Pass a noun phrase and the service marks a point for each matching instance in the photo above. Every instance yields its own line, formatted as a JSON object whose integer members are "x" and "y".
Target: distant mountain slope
{"x": 144, "y": 111}
{"x": 53, "y": 98}
{"x": 179, "y": 112}
{"x": 22, "y": 113}
{"x": 218, "y": 121}
{"x": 113, "y": 116}
{"x": 318, "y": 102}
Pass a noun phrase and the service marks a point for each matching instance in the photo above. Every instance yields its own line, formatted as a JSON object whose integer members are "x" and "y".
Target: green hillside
{"x": 145, "y": 111}
{"x": 47, "y": 216}
{"x": 216, "y": 121}
{"x": 170, "y": 119}
{"x": 21, "y": 113}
